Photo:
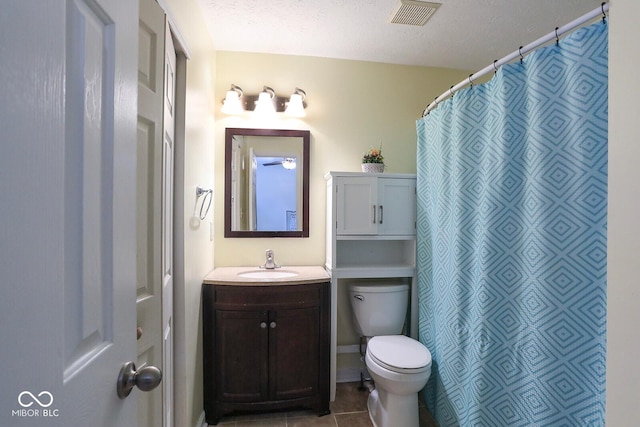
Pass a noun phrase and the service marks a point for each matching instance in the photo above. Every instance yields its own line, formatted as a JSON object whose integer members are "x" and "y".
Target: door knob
{"x": 146, "y": 379}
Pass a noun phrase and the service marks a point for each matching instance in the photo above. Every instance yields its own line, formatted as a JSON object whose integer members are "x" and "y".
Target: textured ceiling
{"x": 462, "y": 34}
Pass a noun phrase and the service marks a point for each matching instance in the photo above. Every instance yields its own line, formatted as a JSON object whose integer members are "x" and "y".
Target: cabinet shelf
{"x": 362, "y": 272}
{"x": 376, "y": 237}
{"x": 374, "y": 254}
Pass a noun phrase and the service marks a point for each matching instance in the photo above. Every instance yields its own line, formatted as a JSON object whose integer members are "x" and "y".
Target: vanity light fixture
{"x": 295, "y": 107}
{"x": 232, "y": 103}
{"x": 265, "y": 103}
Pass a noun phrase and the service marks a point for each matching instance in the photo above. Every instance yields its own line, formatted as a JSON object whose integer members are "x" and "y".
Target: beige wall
{"x": 623, "y": 283}
{"x": 352, "y": 106}
{"x": 193, "y": 248}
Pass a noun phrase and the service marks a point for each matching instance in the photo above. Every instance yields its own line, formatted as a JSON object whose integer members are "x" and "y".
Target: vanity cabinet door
{"x": 241, "y": 342}
{"x": 294, "y": 351}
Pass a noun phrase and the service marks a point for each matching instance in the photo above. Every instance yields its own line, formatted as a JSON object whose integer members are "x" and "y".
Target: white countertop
{"x": 230, "y": 276}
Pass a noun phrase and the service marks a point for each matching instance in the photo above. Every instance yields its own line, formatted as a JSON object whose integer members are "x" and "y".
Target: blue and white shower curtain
{"x": 512, "y": 217}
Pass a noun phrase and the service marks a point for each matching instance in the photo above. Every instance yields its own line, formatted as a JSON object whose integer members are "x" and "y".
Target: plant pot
{"x": 373, "y": 167}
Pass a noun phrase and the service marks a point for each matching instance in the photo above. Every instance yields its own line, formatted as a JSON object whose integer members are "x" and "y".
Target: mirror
{"x": 266, "y": 183}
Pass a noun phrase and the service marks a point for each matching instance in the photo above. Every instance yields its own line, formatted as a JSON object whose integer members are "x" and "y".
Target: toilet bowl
{"x": 399, "y": 366}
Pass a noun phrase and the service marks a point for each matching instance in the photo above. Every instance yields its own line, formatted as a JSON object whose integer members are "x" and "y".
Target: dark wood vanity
{"x": 266, "y": 347}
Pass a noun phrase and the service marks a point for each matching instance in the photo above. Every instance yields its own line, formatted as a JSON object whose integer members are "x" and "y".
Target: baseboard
{"x": 353, "y": 348}
{"x": 350, "y": 374}
{"x": 201, "y": 422}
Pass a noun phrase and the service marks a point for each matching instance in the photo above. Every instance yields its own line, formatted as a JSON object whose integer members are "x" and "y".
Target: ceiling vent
{"x": 413, "y": 12}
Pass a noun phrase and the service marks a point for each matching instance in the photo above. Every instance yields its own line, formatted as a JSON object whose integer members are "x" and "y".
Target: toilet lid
{"x": 399, "y": 353}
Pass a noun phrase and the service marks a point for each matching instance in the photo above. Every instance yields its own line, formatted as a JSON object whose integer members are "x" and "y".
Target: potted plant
{"x": 372, "y": 161}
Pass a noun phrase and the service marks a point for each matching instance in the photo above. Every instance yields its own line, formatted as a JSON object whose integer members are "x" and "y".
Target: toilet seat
{"x": 399, "y": 353}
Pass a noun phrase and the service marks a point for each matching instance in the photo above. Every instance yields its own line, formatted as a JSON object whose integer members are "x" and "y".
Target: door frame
{"x": 180, "y": 373}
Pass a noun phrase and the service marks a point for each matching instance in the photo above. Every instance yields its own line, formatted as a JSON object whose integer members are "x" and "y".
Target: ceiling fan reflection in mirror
{"x": 286, "y": 162}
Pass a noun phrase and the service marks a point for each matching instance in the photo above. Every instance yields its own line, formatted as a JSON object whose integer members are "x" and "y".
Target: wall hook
{"x": 201, "y": 191}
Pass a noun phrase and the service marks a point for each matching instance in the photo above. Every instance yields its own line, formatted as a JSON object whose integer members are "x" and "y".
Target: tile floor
{"x": 348, "y": 410}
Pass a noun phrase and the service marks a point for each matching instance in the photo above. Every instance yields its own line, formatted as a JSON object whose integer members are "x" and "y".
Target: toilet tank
{"x": 379, "y": 308}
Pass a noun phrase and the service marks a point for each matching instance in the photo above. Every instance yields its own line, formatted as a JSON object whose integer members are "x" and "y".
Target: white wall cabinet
{"x": 371, "y": 224}
{"x": 375, "y": 205}
{"x": 371, "y": 233}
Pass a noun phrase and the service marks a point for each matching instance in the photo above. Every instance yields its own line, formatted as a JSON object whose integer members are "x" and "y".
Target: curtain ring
{"x": 520, "y": 52}
{"x": 435, "y": 101}
{"x": 604, "y": 15}
{"x": 557, "y": 38}
{"x": 451, "y": 91}
{"x": 495, "y": 67}
{"x": 470, "y": 81}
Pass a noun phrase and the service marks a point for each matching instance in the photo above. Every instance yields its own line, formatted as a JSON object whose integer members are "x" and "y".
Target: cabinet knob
{"x": 272, "y": 325}
{"x": 263, "y": 325}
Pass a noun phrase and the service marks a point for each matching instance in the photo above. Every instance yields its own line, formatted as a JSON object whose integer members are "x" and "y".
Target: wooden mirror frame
{"x": 306, "y": 138}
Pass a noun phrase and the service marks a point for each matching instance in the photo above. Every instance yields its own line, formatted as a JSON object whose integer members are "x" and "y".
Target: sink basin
{"x": 267, "y": 274}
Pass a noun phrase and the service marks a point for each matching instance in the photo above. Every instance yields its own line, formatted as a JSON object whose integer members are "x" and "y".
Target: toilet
{"x": 399, "y": 366}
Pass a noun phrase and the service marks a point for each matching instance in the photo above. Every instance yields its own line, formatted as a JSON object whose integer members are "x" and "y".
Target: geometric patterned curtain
{"x": 512, "y": 242}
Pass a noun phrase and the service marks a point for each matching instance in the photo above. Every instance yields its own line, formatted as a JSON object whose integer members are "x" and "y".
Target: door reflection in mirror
{"x": 276, "y": 201}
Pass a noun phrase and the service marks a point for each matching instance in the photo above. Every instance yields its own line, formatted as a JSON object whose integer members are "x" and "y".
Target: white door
{"x": 149, "y": 188}
{"x": 253, "y": 214}
{"x": 168, "y": 149}
{"x": 68, "y": 223}
{"x": 237, "y": 172}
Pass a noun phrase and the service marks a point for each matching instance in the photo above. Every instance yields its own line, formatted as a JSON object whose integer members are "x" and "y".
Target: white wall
{"x": 623, "y": 276}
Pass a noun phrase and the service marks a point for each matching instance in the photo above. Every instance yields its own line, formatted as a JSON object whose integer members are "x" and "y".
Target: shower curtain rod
{"x": 523, "y": 50}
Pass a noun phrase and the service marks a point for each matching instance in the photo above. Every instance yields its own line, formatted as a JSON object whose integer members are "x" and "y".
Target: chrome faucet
{"x": 270, "y": 264}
